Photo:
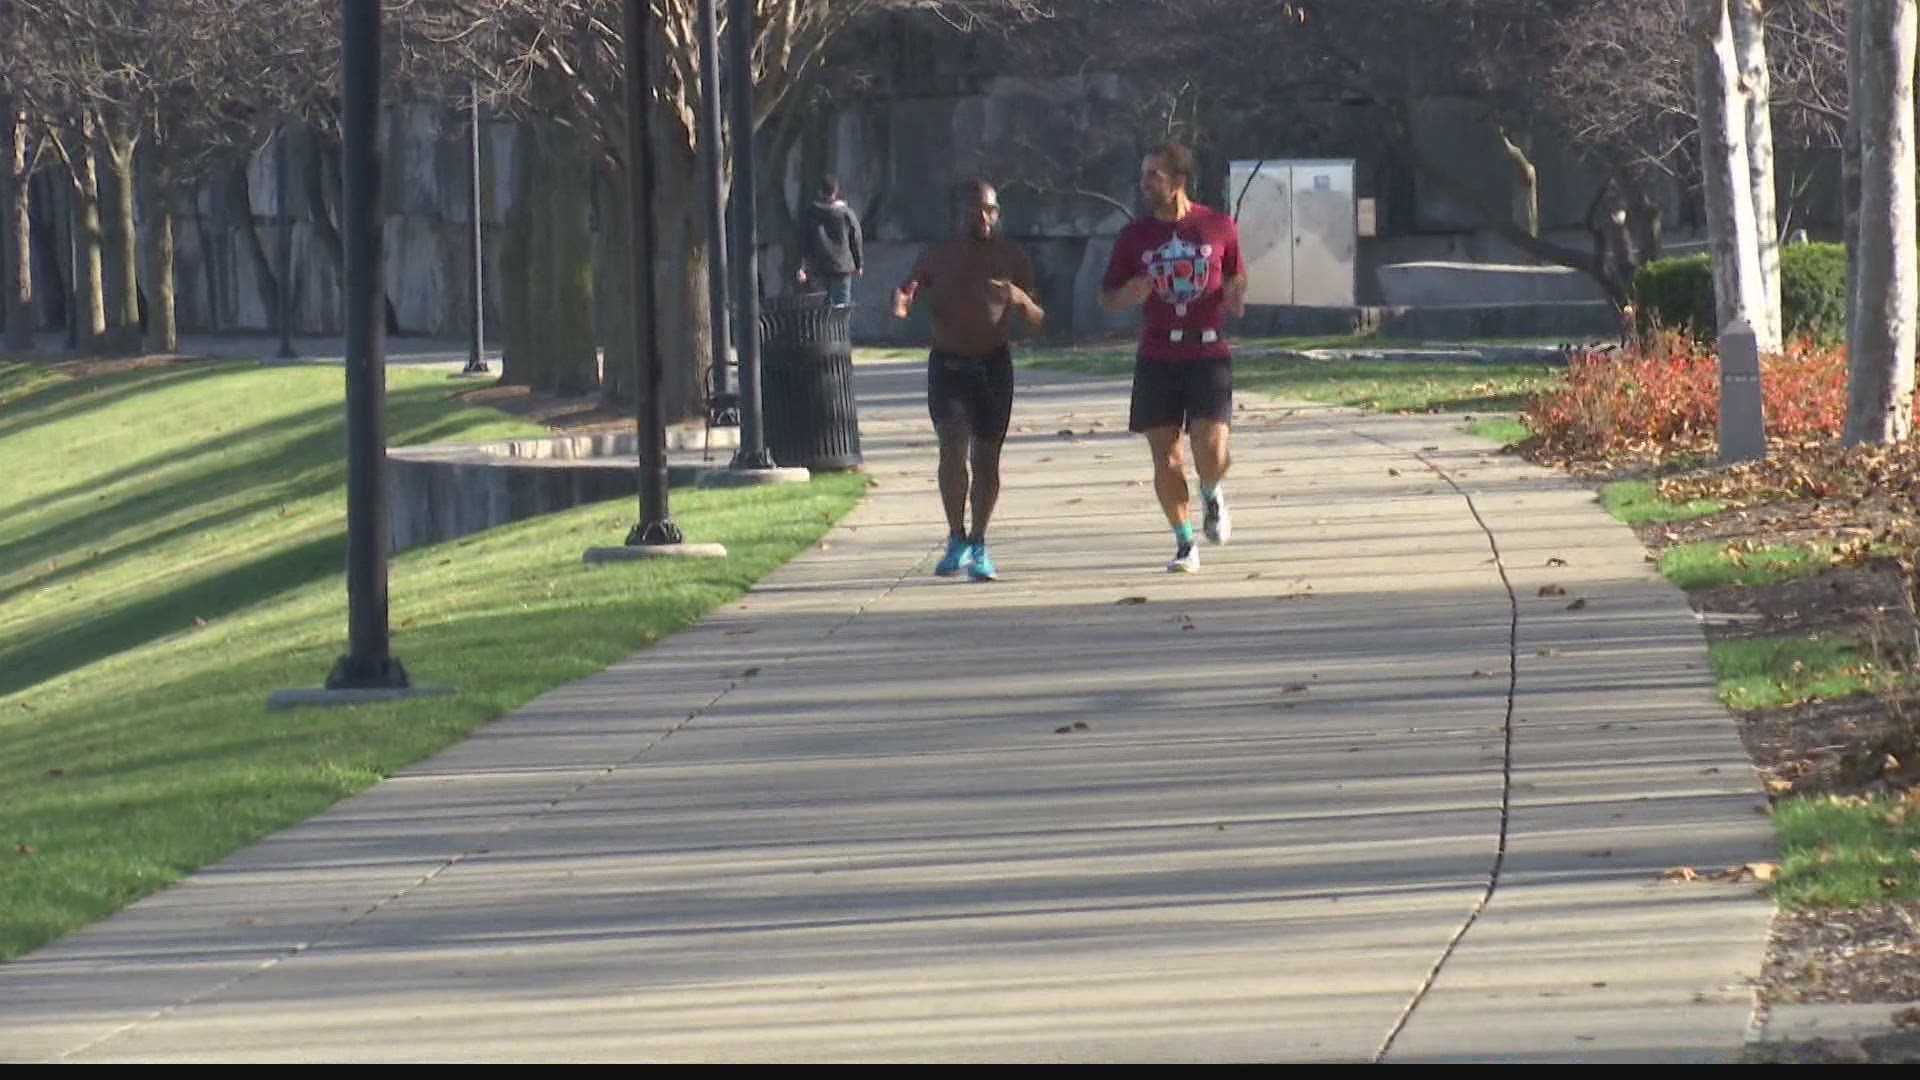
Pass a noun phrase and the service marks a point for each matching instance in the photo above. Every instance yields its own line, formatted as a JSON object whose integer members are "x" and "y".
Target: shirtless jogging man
{"x": 975, "y": 285}
{"x": 1182, "y": 265}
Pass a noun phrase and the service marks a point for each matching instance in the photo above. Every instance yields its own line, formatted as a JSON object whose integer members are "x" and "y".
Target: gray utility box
{"x": 1299, "y": 230}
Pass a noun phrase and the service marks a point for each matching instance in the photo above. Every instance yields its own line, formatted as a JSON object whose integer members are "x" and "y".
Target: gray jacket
{"x": 830, "y": 240}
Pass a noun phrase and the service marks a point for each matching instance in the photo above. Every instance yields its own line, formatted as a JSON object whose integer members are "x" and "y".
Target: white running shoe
{"x": 1218, "y": 524}
{"x": 1185, "y": 561}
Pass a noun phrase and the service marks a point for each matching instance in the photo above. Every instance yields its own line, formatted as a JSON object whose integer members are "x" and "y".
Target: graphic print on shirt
{"x": 1179, "y": 270}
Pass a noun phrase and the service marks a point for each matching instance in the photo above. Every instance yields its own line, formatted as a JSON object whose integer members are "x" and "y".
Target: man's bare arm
{"x": 1018, "y": 300}
{"x": 903, "y": 298}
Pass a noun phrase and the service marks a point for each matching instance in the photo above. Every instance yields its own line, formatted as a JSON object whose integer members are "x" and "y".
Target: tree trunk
{"x": 1850, "y": 169}
{"x": 1526, "y": 187}
{"x": 1732, "y": 233}
{"x": 1880, "y": 371}
{"x": 320, "y": 176}
{"x": 1756, "y": 82}
{"x": 122, "y": 265}
{"x": 163, "y": 332}
{"x": 546, "y": 262}
{"x": 681, "y": 304}
{"x": 90, "y": 245}
{"x": 213, "y": 257}
{"x": 1647, "y": 221}
{"x": 21, "y": 320}
{"x": 239, "y": 200}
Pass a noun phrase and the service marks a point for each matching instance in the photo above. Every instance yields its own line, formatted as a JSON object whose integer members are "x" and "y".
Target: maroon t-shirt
{"x": 1189, "y": 262}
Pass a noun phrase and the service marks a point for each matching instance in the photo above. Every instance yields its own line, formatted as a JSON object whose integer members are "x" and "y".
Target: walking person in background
{"x": 831, "y": 250}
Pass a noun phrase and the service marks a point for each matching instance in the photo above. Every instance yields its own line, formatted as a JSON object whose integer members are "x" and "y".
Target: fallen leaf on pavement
{"x": 1577, "y": 604}
{"x": 1393, "y": 472}
{"x": 1131, "y": 600}
{"x": 1546, "y": 651}
{"x": 1478, "y": 674}
{"x": 1556, "y": 561}
{"x": 1552, "y": 590}
{"x": 1680, "y": 873}
{"x": 750, "y": 673}
{"x": 1296, "y": 688}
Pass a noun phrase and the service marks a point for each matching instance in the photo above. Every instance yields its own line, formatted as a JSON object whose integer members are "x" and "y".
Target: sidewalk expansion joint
{"x": 1506, "y": 765}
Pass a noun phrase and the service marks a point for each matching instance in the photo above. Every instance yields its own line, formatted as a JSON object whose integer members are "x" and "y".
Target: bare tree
{"x": 561, "y": 60}
{"x": 21, "y": 147}
{"x": 1887, "y": 286}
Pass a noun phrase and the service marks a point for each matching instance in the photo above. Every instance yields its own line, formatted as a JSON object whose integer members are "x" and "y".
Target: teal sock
{"x": 1211, "y": 493}
{"x": 1183, "y": 533}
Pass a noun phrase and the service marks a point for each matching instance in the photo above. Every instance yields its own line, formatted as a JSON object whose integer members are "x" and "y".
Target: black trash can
{"x": 806, "y": 383}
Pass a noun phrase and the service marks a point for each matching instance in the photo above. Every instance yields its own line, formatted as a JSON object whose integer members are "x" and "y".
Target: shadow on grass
{"x": 67, "y": 398}
{"x": 129, "y": 625}
{"x": 310, "y": 460}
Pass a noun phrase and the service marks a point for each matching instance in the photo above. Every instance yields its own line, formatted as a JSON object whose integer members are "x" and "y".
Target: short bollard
{"x": 1743, "y": 432}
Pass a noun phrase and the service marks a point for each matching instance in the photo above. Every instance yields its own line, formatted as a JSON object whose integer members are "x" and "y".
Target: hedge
{"x": 1678, "y": 293}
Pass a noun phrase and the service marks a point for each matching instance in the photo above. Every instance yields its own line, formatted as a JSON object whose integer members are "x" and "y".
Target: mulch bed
{"x": 566, "y": 416}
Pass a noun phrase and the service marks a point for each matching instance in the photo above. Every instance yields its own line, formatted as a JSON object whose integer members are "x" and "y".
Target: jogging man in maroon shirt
{"x": 1182, "y": 266}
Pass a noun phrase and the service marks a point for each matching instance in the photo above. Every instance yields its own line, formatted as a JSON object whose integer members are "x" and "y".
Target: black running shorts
{"x": 976, "y": 391}
{"x": 1174, "y": 395}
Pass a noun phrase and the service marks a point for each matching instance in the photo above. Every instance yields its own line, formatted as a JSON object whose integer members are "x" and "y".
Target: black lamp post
{"x": 753, "y": 453}
{"x": 369, "y": 671}
{"x": 476, "y": 257}
{"x": 712, "y": 156}
{"x": 655, "y": 535}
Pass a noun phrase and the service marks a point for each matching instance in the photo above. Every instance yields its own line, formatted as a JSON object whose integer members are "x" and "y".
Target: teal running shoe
{"x": 981, "y": 568}
{"x": 959, "y": 555}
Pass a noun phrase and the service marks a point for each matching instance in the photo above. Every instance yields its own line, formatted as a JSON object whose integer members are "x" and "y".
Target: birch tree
{"x": 1887, "y": 282}
{"x": 1733, "y": 240}
{"x": 1756, "y": 87}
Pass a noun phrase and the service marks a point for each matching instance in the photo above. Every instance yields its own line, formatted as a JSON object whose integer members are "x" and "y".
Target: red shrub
{"x": 1663, "y": 395}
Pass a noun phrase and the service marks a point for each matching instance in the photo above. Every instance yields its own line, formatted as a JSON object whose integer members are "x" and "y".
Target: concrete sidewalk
{"x": 1357, "y": 791}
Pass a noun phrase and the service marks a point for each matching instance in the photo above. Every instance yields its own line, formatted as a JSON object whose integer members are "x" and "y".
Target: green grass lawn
{"x": 1504, "y": 430}
{"x": 1847, "y": 852}
{"x": 1380, "y": 385}
{"x": 1762, "y": 673}
{"x": 1638, "y": 502}
{"x": 1711, "y": 565}
{"x": 171, "y": 551}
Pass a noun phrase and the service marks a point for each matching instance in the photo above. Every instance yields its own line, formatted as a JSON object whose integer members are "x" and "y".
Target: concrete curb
{"x": 443, "y": 492}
